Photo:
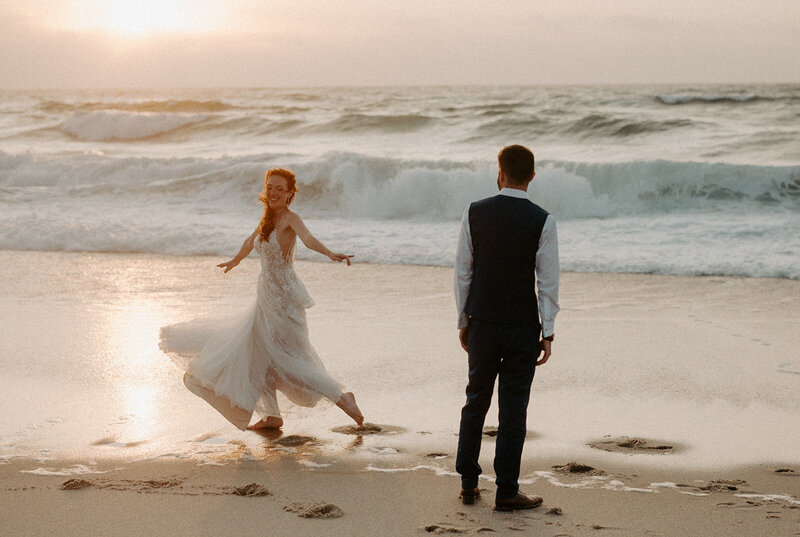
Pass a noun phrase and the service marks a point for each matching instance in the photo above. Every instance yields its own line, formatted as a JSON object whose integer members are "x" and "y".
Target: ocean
{"x": 662, "y": 179}
{"x": 107, "y": 196}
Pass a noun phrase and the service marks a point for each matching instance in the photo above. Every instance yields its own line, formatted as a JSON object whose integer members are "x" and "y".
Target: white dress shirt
{"x": 546, "y": 268}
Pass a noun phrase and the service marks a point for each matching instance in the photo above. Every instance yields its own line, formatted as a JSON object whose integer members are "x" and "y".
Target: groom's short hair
{"x": 517, "y": 163}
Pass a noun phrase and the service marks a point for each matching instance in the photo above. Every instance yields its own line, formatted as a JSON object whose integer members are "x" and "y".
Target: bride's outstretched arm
{"x": 244, "y": 251}
{"x": 311, "y": 241}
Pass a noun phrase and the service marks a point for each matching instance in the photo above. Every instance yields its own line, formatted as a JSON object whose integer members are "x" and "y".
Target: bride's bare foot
{"x": 348, "y": 403}
{"x": 270, "y": 423}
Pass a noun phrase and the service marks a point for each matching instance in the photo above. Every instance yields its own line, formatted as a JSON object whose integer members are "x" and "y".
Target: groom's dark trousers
{"x": 508, "y": 352}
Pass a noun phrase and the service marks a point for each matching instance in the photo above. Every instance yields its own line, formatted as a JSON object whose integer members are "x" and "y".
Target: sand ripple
{"x": 633, "y": 445}
{"x": 314, "y": 510}
{"x": 253, "y": 489}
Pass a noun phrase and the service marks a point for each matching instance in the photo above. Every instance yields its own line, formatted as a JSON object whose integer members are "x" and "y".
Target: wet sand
{"x": 669, "y": 407}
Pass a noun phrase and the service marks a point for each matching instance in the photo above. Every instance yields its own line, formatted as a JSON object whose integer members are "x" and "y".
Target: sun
{"x": 135, "y": 19}
{"x": 140, "y": 18}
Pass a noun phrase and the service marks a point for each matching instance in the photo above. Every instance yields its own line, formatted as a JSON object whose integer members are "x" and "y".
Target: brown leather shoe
{"x": 468, "y": 495}
{"x": 520, "y": 501}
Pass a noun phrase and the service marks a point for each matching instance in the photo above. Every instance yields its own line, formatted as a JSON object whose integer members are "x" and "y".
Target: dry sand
{"x": 183, "y": 498}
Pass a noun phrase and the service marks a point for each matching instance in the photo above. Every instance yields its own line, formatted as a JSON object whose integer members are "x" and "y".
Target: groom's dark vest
{"x": 505, "y": 238}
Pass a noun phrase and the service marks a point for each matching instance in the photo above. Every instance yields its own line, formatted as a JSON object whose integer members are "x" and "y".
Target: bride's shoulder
{"x": 255, "y": 238}
{"x": 293, "y": 219}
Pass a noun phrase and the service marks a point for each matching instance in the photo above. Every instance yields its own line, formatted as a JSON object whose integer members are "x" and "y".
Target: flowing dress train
{"x": 240, "y": 368}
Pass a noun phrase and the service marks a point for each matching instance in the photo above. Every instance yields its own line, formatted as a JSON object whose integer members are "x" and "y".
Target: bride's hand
{"x": 340, "y": 257}
{"x": 228, "y": 265}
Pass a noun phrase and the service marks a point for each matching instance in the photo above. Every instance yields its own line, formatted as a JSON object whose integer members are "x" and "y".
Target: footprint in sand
{"x": 314, "y": 510}
{"x": 251, "y": 490}
{"x": 633, "y": 445}
{"x": 76, "y": 484}
{"x": 723, "y": 485}
{"x": 294, "y": 440}
{"x": 368, "y": 429}
{"x": 442, "y": 529}
{"x": 577, "y": 468}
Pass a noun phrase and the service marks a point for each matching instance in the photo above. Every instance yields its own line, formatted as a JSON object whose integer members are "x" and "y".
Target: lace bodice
{"x": 278, "y": 281}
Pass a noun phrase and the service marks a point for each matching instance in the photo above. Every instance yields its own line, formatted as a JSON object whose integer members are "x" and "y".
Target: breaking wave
{"x": 351, "y": 184}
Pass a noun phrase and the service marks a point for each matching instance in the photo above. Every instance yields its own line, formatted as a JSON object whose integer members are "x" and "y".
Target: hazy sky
{"x": 197, "y": 43}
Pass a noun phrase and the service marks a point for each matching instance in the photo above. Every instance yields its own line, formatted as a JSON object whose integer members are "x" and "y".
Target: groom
{"x": 506, "y": 246}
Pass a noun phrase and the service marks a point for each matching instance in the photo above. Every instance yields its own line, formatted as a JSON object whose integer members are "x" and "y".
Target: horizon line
{"x": 407, "y": 86}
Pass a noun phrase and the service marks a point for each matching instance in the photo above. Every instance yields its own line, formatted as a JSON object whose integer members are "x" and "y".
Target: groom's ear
{"x": 501, "y": 179}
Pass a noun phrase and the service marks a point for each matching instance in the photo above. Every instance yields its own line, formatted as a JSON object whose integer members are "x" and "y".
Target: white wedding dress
{"x": 242, "y": 364}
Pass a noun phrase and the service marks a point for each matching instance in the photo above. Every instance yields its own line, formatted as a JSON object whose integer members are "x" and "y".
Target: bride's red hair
{"x": 268, "y": 220}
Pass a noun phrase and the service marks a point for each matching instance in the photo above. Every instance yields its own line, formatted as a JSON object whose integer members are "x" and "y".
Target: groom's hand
{"x": 546, "y": 349}
{"x": 463, "y": 338}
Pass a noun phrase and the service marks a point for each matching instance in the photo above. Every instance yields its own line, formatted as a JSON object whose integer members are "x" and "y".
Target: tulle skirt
{"x": 244, "y": 361}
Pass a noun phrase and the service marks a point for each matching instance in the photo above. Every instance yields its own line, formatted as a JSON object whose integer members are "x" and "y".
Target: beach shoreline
{"x": 632, "y": 352}
{"x": 289, "y": 498}
{"x": 657, "y": 381}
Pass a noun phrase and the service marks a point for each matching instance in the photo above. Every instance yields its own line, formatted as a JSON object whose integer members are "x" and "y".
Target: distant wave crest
{"x": 166, "y": 106}
{"x": 107, "y": 126}
{"x": 695, "y": 99}
{"x": 603, "y": 126}
{"x": 374, "y": 122}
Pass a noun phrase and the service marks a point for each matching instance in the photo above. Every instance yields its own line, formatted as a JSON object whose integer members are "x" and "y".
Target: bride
{"x": 239, "y": 370}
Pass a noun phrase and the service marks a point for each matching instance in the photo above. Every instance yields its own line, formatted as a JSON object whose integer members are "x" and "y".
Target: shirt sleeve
{"x": 463, "y": 272}
{"x": 547, "y": 269}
